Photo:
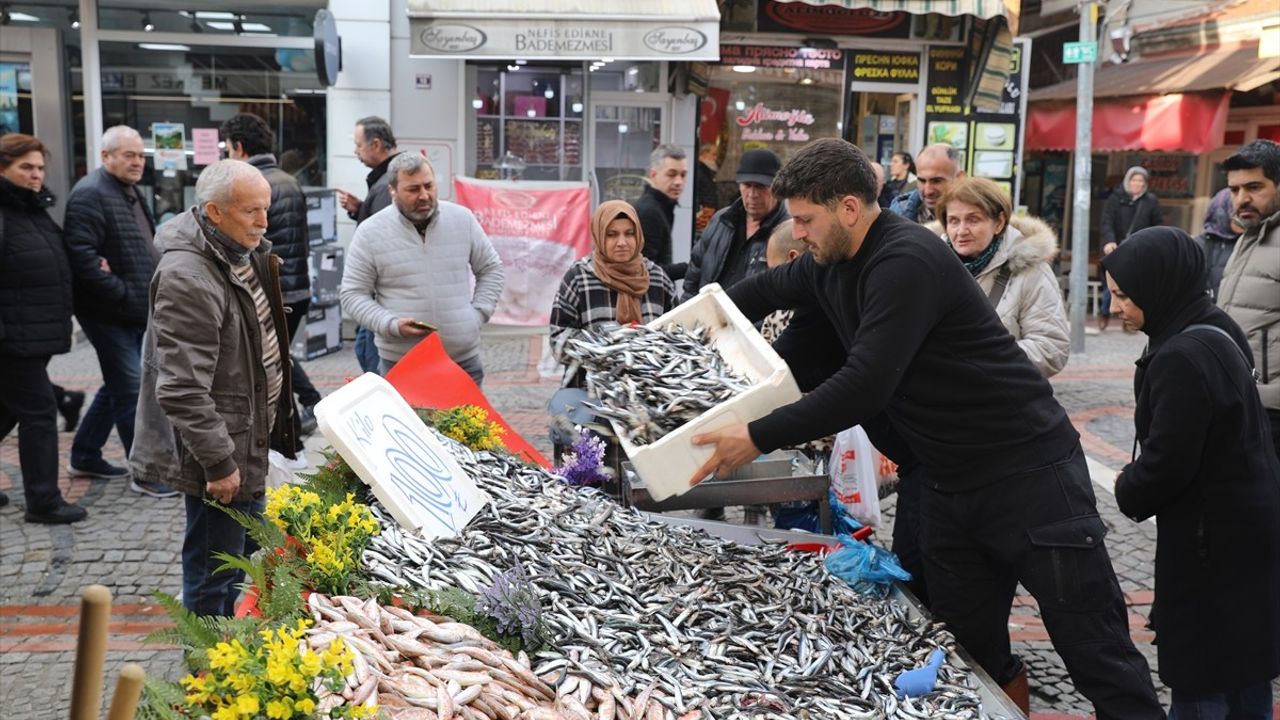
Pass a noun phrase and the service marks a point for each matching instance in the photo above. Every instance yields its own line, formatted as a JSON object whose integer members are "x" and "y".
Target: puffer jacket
{"x": 100, "y": 223}
{"x": 287, "y": 228}
{"x": 35, "y": 277}
{"x": 1031, "y": 307}
{"x": 1250, "y": 294}
{"x": 707, "y": 261}
{"x": 202, "y": 409}
{"x": 392, "y": 272}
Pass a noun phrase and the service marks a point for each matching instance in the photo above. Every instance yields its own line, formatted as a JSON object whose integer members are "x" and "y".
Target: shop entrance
{"x": 881, "y": 122}
{"x": 624, "y": 136}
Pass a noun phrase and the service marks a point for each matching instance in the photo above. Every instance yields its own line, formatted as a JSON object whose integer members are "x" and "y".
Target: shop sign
{"x": 884, "y": 67}
{"x": 539, "y": 229}
{"x": 756, "y": 120}
{"x": 989, "y": 142}
{"x": 328, "y": 53}
{"x": 782, "y": 57}
{"x": 1172, "y": 176}
{"x": 504, "y": 38}
{"x": 775, "y": 16}
{"x": 408, "y": 469}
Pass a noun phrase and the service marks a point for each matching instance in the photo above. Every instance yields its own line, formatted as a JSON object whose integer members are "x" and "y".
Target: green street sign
{"x": 1074, "y": 53}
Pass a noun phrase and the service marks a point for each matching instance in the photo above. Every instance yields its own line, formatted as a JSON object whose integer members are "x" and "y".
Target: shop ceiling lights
{"x": 74, "y": 20}
{"x": 744, "y": 68}
{"x": 147, "y": 25}
{"x": 477, "y": 103}
{"x": 170, "y": 47}
{"x": 806, "y": 81}
{"x": 548, "y": 93}
{"x": 577, "y": 107}
{"x": 6, "y": 17}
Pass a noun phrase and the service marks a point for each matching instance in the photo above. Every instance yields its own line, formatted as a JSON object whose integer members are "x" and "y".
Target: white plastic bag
{"x": 278, "y": 471}
{"x": 855, "y": 470}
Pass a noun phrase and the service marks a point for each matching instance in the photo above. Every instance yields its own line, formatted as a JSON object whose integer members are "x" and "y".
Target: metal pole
{"x": 91, "y": 83}
{"x": 1081, "y": 192}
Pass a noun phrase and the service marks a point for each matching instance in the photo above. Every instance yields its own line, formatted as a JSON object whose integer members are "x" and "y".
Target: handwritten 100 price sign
{"x": 410, "y": 472}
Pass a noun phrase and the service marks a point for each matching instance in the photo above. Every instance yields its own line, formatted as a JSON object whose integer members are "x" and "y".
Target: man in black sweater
{"x": 1008, "y": 497}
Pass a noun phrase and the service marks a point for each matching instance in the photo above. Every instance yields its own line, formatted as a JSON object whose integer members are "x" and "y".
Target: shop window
{"x": 781, "y": 106}
{"x": 213, "y": 21}
{"x": 526, "y": 121}
{"x": 167, "y": 94}
{"x": 624, "y": 76}
{"x": 15, "y": 98}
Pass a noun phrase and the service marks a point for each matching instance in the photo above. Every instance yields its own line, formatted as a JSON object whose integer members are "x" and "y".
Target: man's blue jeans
{"x": 119, "y": 349}
{"x": 1251, "y": 703}
{"x": 209, "y": 531}
{"x": 366, "y": 351}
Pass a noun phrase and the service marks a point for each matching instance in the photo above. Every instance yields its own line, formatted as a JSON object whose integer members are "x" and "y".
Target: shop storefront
{"x": 1178, "y": 116}
{"x": 883, "y": 79}
{"x": 174, "y": 75}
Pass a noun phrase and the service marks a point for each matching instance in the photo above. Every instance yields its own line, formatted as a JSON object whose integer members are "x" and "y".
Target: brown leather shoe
{"x": 1019, "y": 691}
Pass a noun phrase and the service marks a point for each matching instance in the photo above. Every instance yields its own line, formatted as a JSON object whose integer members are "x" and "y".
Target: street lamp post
{"x": 1080, "y": 196}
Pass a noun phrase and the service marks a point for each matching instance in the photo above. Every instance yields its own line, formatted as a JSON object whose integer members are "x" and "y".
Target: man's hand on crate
{"x": 734, "y": 448}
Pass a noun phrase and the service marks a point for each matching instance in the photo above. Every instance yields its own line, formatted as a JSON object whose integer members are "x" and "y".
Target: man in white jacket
{"x": 410, "y": 266}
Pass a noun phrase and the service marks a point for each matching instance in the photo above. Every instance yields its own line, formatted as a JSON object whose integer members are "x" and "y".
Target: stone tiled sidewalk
{"x": 131, "y": 543}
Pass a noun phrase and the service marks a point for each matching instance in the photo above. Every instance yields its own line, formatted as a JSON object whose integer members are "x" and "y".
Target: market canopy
{"x": 1239, "y": 69}
{"x": 1166, "y": 123}
{"x": 951, "y": 8}
{"x": 565, "y": 29}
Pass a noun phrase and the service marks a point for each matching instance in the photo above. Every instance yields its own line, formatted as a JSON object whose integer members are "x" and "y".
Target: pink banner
{"x": 539, "y": 229}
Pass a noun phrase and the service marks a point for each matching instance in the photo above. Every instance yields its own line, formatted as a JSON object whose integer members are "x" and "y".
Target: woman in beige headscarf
{"x": 615, "y": 283}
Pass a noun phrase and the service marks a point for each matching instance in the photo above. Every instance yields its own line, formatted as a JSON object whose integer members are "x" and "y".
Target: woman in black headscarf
{"x": 1208, "y": 472}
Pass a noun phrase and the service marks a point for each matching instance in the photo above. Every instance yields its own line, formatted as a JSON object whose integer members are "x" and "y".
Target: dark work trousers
{"x": 209, "y": 531}
{"x": 26, "y": 400}
{"x": 1041, "y": 528}
{"x": 906, "y": 531}
{"x": 302, "y": 387}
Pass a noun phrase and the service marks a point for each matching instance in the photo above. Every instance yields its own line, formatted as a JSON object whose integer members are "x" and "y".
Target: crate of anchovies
{"x": 698, "y": 368}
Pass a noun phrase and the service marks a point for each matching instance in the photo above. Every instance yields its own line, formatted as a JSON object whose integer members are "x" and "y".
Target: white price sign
{"x": 411, "y": 473}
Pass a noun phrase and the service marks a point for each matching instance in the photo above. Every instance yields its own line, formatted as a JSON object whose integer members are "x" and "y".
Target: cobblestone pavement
{"x": 131, "y": 543}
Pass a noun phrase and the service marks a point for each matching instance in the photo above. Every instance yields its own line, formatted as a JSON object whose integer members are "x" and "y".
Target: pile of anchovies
{"x": 732, "y": 630}
{"x": 651, "y": 381}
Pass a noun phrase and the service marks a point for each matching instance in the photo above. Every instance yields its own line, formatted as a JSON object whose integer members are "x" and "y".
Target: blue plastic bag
{"x": 867, "y": 568}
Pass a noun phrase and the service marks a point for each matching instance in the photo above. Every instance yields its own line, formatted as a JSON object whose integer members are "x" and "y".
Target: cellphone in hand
{"x": 423, "y": 326}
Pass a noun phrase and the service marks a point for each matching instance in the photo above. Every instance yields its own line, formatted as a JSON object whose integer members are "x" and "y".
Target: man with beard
{"x": 410, "y": 266}
{"x": 1250, "y": 291}
{"x": 1007, "y": 497}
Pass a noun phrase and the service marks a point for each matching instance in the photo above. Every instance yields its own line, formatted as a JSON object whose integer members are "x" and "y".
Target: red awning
{"x": 1188, "y": 122}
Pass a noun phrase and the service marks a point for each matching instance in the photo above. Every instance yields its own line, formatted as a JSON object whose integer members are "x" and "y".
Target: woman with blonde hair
{"x": 1010, "y": 259}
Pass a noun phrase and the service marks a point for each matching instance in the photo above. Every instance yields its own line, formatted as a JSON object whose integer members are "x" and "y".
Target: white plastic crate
{"x": 666, "y": 465}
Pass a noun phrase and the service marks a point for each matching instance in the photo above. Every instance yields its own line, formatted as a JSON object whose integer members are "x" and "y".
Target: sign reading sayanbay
{"x": 410, "y": 472}
{"x": 1074, "y": 53}
{"x": 503, "y": 39}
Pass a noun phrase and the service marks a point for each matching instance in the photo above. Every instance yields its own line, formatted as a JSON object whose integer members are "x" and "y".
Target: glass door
{"x": 625, "y": 135}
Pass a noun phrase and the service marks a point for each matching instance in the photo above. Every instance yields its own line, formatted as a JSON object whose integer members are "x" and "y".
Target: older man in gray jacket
{"x": 410, "y": 266}
{"x": 215, "y": 375}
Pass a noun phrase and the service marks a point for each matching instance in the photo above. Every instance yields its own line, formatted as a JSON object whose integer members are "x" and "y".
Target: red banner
{"x": 1191, "y": 122}
{"x": 539, "y": 229}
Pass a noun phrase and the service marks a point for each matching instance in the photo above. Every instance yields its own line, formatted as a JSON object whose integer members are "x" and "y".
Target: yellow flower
{"x": 312, "y": 664}
{"x": 305, "y": 706}
{"x": 280, "y": 709}
{"x": 226, "y": 712}
{"x": 247, "y": 705}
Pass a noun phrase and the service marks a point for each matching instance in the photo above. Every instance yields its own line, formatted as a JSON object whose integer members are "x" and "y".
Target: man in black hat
{"x": 733, "y": 244}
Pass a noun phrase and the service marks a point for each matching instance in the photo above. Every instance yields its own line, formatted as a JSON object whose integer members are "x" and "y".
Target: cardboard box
{"x": 666, "y": 465}
{"x": 326, "y": 275}
{"x": 323, "y": 330}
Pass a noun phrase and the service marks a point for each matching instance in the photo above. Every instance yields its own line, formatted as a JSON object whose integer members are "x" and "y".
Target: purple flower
{"x": 512, "y": 601}
{"x": 584, "y": 463}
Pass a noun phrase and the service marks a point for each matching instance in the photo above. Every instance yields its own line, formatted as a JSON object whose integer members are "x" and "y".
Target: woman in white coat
{"x": 1010, "y": 258}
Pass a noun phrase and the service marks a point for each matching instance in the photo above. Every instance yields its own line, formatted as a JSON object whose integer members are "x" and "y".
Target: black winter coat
{"x": 1122, "y": 215}
{"x": 35, "y": 278}
{"x": 100, "y": 222}
{"x": 710, "y": 252}
{"x": 287, "y": 229}
{"x": 379, "y": 195}
{"x": 657, "y": 212}
{"x": 1208, "y": 472}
